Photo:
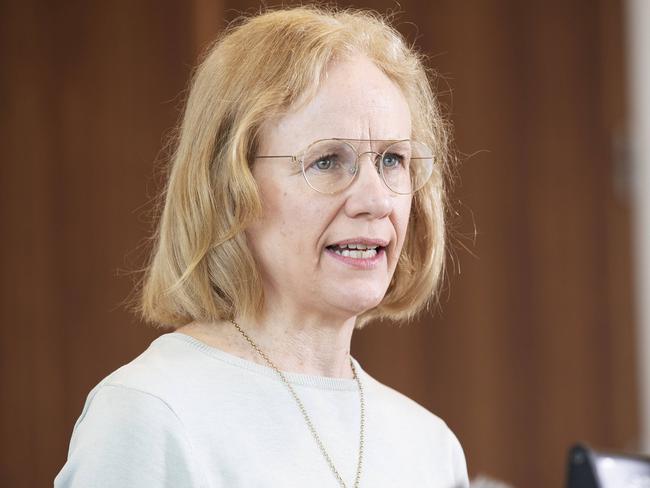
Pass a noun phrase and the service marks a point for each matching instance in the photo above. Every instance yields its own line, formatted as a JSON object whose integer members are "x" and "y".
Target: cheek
{"x": 291, "y": 220}
{"x": 402, "y": 216}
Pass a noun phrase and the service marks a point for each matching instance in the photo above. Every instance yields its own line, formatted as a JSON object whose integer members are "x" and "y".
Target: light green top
{"x": 184, "y": 414}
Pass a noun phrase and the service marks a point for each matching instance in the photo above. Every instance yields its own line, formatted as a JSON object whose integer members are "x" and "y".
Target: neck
{"x": 307, "y": 345}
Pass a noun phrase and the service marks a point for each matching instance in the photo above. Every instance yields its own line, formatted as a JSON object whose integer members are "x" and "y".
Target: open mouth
{"x": 356, "y": 251}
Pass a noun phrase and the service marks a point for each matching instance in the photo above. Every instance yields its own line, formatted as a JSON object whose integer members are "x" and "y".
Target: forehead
{"x": 355, "y": 100}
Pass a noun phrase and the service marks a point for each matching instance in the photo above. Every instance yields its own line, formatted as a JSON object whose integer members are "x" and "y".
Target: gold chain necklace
{"x": 308, "y": 421}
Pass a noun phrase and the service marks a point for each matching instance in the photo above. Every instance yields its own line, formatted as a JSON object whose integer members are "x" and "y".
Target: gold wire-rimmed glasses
{"x": 331, "y": 165}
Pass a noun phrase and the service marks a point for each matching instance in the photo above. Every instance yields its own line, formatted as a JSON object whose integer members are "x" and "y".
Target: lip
{"x": 359, "y": 263}
{"x": 368, "y": 241}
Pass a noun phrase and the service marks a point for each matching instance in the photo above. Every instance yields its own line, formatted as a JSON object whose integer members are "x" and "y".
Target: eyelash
{"x": 321, "y": 158}
{"x": 399, "y": 157}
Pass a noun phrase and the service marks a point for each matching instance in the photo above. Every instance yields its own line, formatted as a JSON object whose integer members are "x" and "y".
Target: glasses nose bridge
{"x": 373, "y": 159}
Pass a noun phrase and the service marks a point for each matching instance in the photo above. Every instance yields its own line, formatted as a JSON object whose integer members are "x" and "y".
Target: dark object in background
{"x": 591, "y": 469}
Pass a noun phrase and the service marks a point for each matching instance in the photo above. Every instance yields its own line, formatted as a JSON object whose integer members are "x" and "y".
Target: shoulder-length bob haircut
{"x": 201, "y": 268}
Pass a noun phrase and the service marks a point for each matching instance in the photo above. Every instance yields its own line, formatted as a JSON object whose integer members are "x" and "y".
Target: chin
{"x": 357, "y": 303}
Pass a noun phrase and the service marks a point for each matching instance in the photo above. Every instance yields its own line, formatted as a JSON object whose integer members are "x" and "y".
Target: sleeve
{"x": 459, "y": 466}
{"x": 128, "y": 438}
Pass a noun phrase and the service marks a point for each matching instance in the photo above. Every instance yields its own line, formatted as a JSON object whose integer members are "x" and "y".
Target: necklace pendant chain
{"x": 306, "y": 417}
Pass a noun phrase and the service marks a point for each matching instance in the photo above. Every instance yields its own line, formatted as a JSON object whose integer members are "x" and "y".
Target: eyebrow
{"x": 392, "y": 141}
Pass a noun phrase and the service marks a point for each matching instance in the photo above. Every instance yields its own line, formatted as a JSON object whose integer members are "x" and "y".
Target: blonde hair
{"x": 201, "y": 267}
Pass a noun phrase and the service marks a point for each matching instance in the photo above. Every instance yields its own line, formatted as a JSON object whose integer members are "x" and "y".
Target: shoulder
{"x": 166, "y": 359}
{"x": 139, "y": 397}
{"x": 154, "y": 390}
{"x": 130, "y": 428}
{"x": 408, "y": 423}
{"x": 190, "y": 380}
{"x": 173, "y": 369}
{"x": 136, "y": 412}
{"x": 394, "y": 404}
{"x": 127, "y": 437}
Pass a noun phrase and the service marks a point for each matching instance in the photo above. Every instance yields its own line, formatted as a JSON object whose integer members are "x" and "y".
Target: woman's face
{"x": 295, "y": 242}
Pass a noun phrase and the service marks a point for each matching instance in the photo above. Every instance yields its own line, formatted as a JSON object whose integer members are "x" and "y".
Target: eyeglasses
{"x": 331, "y": 165}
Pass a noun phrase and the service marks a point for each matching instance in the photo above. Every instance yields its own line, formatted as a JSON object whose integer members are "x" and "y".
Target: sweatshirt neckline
{"x": 321, "y": 382}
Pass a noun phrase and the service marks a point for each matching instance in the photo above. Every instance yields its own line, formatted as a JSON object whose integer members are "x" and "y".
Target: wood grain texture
{"x": 88, "y": 89}
{"x": 532, "y": 347}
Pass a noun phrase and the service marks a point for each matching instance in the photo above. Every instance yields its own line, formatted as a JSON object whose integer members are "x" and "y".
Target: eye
{"x": 325, "y": 163}
{"x": 392, "y": 160}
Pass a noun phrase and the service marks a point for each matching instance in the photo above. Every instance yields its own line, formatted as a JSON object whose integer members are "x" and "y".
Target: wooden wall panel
{"x": 88, "y": 91}
{"x": 532, "y": 347}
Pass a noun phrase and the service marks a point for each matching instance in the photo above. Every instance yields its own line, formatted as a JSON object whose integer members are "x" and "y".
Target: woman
{"x": 306, "y": 197}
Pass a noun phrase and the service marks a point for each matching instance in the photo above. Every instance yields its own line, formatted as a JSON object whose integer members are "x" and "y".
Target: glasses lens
{"x": 407, "y": 166}
{"x": 329, "y": 166}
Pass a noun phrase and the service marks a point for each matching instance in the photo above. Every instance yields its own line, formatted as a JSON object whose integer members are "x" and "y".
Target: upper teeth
{"x": 355, "y": 250}
{"x": 357, "y": 246}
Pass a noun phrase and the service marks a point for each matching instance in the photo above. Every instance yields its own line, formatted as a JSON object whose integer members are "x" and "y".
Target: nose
{"x": 368, "y": 195}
